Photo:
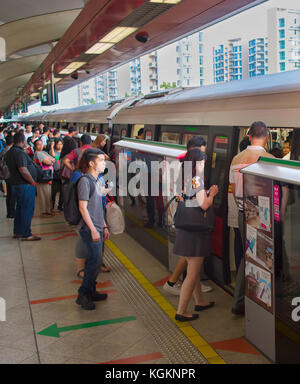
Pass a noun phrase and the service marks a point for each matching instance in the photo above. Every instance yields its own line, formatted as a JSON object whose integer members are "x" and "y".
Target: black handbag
{"x": 46, "y": 176}
{"x": 194, "y": 219}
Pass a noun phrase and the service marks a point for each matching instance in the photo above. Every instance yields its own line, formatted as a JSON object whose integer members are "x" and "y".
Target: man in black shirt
{"x": 23, "y": 176}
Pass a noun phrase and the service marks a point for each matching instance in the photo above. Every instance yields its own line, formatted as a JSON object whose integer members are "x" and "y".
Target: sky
{"x": 251, "y": 23}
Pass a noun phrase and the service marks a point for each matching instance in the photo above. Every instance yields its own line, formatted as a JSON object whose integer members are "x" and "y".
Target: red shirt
{"x": 73, "y": 156}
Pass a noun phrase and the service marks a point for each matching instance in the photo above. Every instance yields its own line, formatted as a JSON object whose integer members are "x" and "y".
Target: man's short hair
{"x": 91, "y": 155}
{"x": 56, "y": 131}
{"x": 86, "y": 139}
{"x": 19, "y": 137}
{"x": 45, "y": 129}
{"x": 258, "y": 129}
{"x": 196, "y": 141}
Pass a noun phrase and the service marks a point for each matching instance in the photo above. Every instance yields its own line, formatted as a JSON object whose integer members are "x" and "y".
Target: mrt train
{"x": 220, "y": 113}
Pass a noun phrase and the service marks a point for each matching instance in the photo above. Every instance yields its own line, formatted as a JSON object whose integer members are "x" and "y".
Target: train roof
{"x": 233, "y": 103}
{"x": 275, "y": 83}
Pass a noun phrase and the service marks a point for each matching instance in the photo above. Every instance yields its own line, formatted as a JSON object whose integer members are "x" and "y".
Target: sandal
{"x": 79, "y": 274}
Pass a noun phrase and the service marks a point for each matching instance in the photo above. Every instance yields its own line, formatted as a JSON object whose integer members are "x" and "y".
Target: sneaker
{"x": 96, "y": 296}
{"x": 175, "y": 290}
{"x": 85, "y": 302}
{"x": 205, "y": 288}
{"x": 31, "y": 238}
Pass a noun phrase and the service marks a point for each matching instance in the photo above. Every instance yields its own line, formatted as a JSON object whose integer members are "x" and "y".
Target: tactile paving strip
{"x": 172, "y": 342}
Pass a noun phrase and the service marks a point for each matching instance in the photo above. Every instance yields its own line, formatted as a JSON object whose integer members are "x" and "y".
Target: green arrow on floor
{"x": 55, "y": 331}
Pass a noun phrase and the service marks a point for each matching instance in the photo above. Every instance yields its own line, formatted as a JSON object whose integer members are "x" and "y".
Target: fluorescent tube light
{"x": 118, "y": 34}
{"x": 98, "y": 48}
{"x": 72, "y": 67}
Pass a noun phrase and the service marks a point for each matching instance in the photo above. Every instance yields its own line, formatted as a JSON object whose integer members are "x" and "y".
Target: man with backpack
{"x": 92, "y": 227}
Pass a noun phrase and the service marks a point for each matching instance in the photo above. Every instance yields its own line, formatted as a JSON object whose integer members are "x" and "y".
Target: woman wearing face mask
{"x": 194, "y": 246}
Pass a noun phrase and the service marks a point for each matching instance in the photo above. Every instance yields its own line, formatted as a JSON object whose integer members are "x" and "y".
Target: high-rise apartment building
{"x": 153, "y": 72}
{"x": 87, "y": 92}
{"x": 220, "y": 55}
{"x": 258, "y": 57}
{"x": 228, "y": 61}
{"x": 201, "y": 59}
{"x": 99, "y": 89}
{"x": 284, "y": 39}
{"x": 135, "y": 77}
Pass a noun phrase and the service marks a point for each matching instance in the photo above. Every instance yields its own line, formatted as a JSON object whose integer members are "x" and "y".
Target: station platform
{"x": 135, "y": 325}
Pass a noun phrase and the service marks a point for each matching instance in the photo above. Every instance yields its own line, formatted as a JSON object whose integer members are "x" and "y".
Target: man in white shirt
{"x": 44, "y": 137}
{"x": 258, "y": 135}
{"x": 28, "y": 131}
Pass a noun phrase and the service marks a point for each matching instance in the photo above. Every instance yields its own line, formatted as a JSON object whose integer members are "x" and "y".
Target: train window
{"x": 188, "y": 136}
{"x": 148, "y": 135}
{"x": 123, "y": 132}
{"x": 170, "y": 137}
{"x": 135, "y": 129}
{"x": 218, "y": 174}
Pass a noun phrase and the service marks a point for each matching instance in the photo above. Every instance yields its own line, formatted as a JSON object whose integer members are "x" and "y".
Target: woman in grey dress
{"x": 194, "y": 246}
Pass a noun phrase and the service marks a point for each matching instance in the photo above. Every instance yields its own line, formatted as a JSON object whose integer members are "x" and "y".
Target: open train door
{"x": 221, "y": 147}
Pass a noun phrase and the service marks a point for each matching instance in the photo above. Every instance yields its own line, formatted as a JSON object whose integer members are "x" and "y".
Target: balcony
{"x": 153, "y": 76}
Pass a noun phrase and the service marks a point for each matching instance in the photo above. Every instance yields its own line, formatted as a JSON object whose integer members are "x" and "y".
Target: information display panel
{"x": 259, "y": 240}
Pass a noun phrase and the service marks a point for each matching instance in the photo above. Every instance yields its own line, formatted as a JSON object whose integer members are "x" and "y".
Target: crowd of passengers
{"x": 28, "y": 150}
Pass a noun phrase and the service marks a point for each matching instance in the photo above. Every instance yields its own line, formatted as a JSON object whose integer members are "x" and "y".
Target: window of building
{"x": 281, "y": 33}
{"x": 282, "y": 55}
{"x": 282, "y": 66}
{"x": 281, "y": 44}
{"x": 281, "y": 22}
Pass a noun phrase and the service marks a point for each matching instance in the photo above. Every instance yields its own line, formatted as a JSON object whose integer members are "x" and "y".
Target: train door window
{"x": 123, "y": 132}
{"x": 105, "y": 129}
{"x": 219, "y": 156}
{"x": 148, "y": 135}
{"x": 135, "y": 129}
{"x": 188, "y": 136}
{"x": 170, "y": 137}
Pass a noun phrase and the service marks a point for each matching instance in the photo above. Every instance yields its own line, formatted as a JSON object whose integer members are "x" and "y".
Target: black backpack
{"x": 71, "y": 203}
{"x": 4, "y": 172}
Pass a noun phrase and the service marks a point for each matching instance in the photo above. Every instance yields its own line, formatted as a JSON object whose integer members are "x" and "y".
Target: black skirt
{"x": 192, "y": 244}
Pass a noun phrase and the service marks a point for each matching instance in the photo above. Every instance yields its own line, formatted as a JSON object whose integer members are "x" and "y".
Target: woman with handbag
{"x": 55, "y": 151}
{"x": 43, "y": 205}
{"x": 193, "y": 239}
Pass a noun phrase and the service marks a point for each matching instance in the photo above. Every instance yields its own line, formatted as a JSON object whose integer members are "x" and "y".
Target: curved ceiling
{"x": 30, "y": 28}
{"x": 29, "y": 25}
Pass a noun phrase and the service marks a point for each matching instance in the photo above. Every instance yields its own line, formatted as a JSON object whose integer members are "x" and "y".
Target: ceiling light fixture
{"x": 72, "y": 67}
{"x": 98, "y": 48}
{"x": 118, "y": 34}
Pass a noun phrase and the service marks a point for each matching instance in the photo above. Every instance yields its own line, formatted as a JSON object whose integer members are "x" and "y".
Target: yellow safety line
{"x": 288, "y": 332}
{"x": 149, "y": 230}
{"x": 204, "y": 348}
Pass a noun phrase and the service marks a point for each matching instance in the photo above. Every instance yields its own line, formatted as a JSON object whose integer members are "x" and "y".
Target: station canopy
{"x": 87, "y": 37}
